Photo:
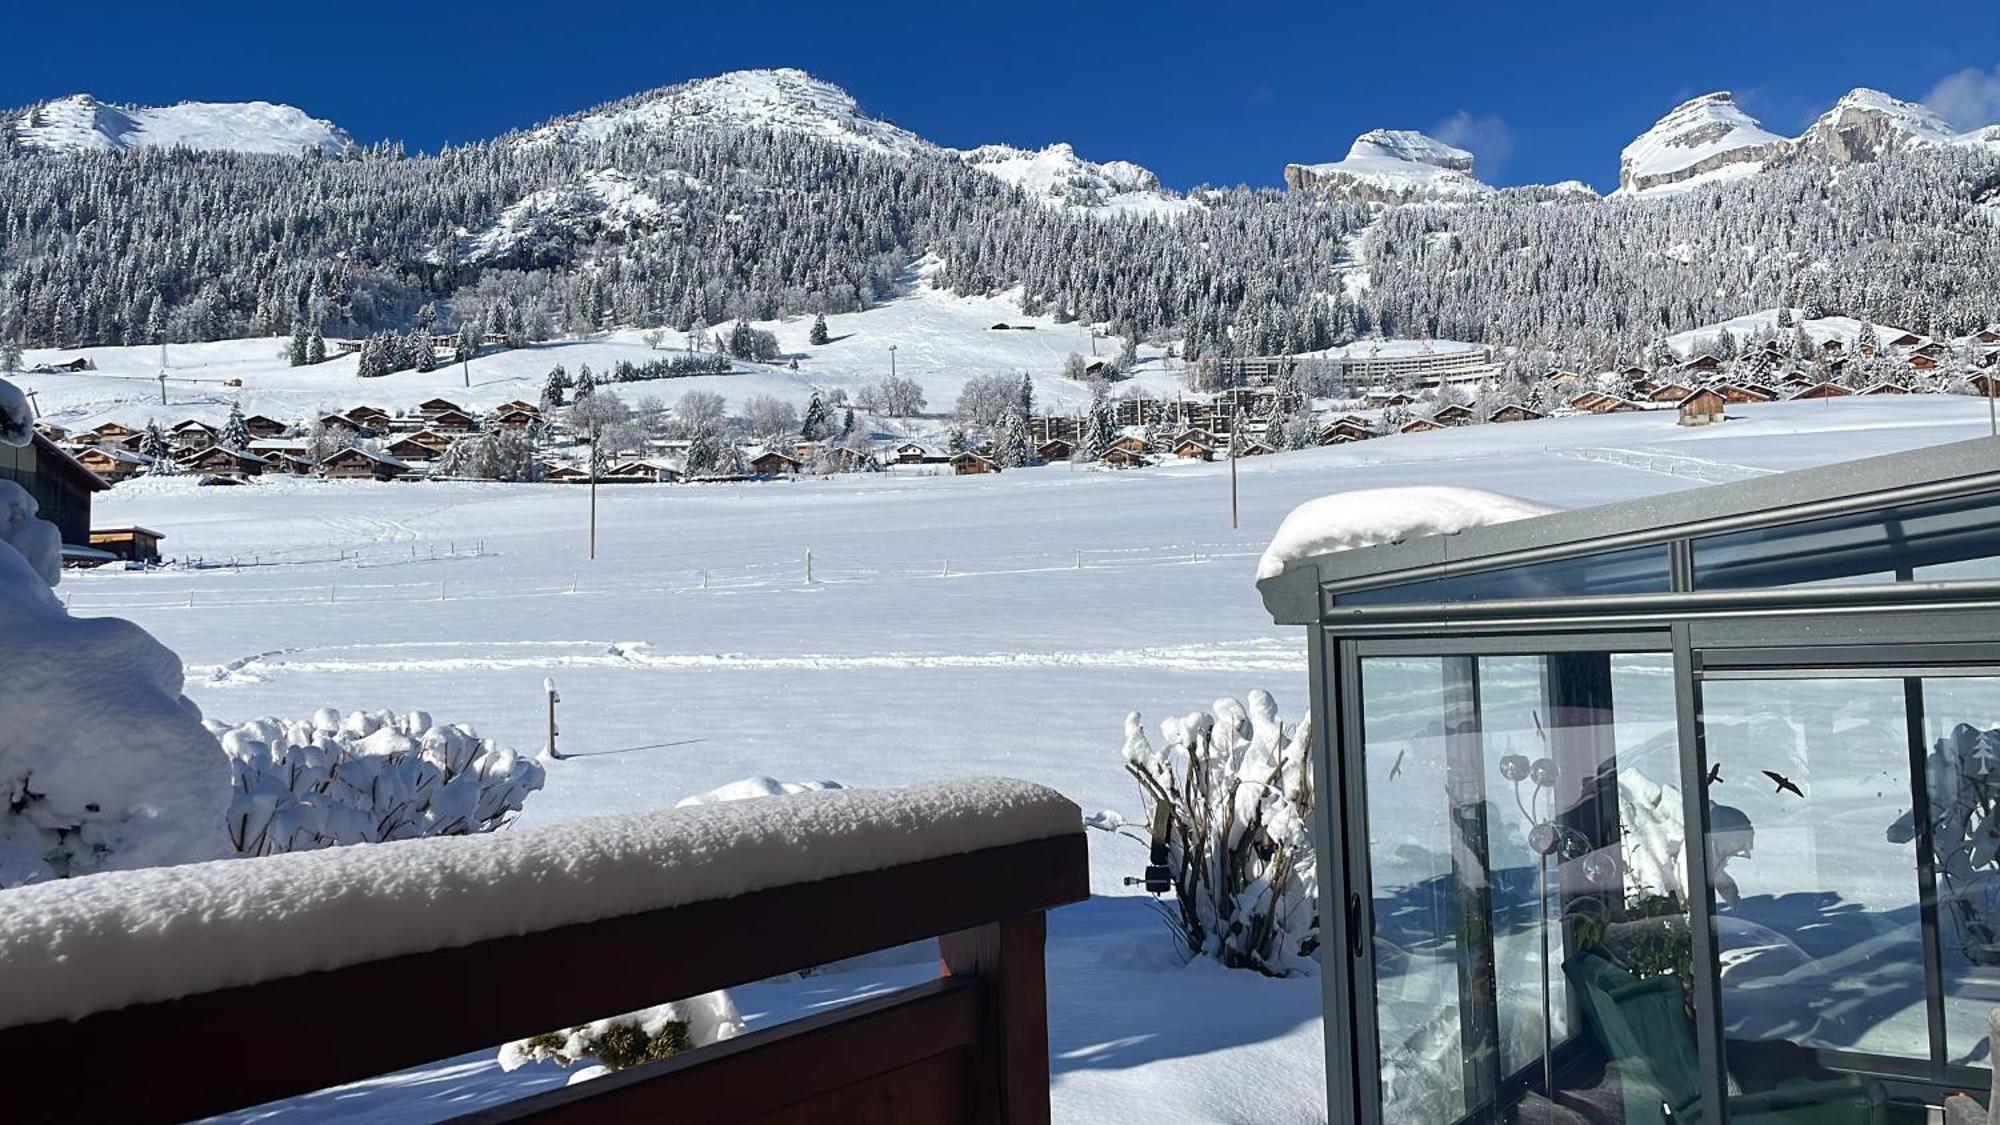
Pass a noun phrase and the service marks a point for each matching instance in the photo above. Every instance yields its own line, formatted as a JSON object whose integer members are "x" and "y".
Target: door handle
{"x": 1354, "y": 947}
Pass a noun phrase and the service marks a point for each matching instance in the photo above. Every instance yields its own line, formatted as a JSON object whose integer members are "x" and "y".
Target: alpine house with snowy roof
{"x": 1679, "y": 809}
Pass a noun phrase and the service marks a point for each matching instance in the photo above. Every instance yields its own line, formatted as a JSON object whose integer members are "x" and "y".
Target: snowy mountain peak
{"x": 1059, "y": 177}
{"x": 81, "y": 123}
{"x": 1869, "y": 124}
{"x": 1702, "y": 140}
{"x": 783, "y": 100}
{"x": 1390, "y": 165}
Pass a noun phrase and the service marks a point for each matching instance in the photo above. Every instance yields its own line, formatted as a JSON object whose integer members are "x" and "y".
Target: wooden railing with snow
{"x": 181, "y": 992}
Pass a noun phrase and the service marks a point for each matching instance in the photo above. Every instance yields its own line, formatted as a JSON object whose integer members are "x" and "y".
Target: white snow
{"x": 1059, "y": 177}
{"x": 81, "y": 123}
{"x": 1705, "y": 136}
{"x": 1399, "y": 162}
{"x": 784, "y": 100}
{"x": 77, "y": 946}
{"x": 752, "y": 787}
{"x": 1368, "y": 517}
{"x": 608, "y": 198}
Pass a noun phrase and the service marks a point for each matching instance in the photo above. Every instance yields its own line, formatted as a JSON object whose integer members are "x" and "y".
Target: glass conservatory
{"x": 1682, "y": 809}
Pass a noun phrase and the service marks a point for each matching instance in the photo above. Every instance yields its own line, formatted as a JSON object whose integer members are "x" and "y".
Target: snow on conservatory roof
{"x": 1289, "y": 580}
{"x": 72, "y": 947}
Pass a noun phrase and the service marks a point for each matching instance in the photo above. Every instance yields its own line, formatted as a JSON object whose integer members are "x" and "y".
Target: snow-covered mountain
{"x": 540, "y": 228}
{"x": 1061, "y": 178}
{"x": 1710, "y": 139}
{"x": 1392, "y": 165}
{"x": 81, "y": 123}
{"x": 783, "y": 100}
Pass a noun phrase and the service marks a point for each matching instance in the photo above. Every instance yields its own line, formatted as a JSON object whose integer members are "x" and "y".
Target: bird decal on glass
{"x": 1783, "y": 783}
{"x": 1715, "y": 774}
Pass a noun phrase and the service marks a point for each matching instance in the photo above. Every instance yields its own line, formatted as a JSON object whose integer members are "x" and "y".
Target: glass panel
{"x": 1819, "y": 932}
{"x": 1639, "y": 570}
{"x": 1939, "y": 540}
{"x": 1962, "y": 775}
{"x": 1519, "y": 843}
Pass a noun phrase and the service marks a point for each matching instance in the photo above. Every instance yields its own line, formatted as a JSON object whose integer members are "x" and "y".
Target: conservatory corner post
{"x": 1927, "y": 881}
{"x": 1326, "y": 683}
{"x": 1700, "y": 894}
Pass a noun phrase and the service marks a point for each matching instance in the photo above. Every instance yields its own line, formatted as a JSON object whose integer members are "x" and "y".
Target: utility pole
{"x": 465, "y": 365}
{"x": 892, "y": 361}
{"x": 1992, "y": 413}
{"x": 34, "y": 407}
{"x": 1232, "y": 475}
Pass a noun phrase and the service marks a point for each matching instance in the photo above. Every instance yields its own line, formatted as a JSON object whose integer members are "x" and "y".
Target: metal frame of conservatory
{"x": 1900, "y": 629}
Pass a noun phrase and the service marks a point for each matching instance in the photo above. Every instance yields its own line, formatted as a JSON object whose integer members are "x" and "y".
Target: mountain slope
{"x": 1703, "y": 140}
{"x": 1059, "y": 177}
{"x": 1392, "y": 165}
{"x": 81, "y": 123}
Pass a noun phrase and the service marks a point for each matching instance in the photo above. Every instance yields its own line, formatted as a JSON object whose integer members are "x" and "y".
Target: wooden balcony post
{"x": 1006, "y": 957}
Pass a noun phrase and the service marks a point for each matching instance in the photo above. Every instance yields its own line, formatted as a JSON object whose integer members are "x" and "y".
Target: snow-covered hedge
{"x": 632, "y": 1039}
{"x": 1236, "y": 788}
{"x": 366, "y": 777}
{"x": 103, "y": 763}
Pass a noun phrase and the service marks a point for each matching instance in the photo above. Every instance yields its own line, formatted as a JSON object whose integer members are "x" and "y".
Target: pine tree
{"x": 315, "y": 346}
{"x": 10, "y": 355}
{"x": 235, "y": 434}
{"x": 296, "y": 354}
{"x": 1027, "y": 395}
{"x": 814, "y": 426}
{"x": 553, "y": 386}
{"x": 818, "y": 336}
{"x": 153, "y": 445}
{"x": 586, "y": 383}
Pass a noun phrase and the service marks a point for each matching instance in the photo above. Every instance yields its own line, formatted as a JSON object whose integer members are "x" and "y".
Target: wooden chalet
{"x": 1191, "y": 449}
{"x": 111, "y": 433}
{"x": 773, "y": 462}
{"x": 1587, "y": 400}
{"x": 1394, "y": 398}
{"x": 1985, "y": 386}
{"x": 1705, "y": 364}
{"x": 369, "y": 417}
{"x": 355, "y": 463}
{"x": 193, "y": 435}
{"x": 1921, "y": 362}
{"x": 516, "y": 419}
{"x": 1832, "y": 348}
{"x": 62, "y": 487}
{"x": 259, "y": 426}
{"x": 1823, "y": 390}
{"x": 1560, "y": 375}
{"x": 294, "y": 464}
{"x": 1452, "y": 415}
{"x": 1514, "y": 412}
{"x": 917, "y": 453}
{"x": 564, "y": 474}
{"x": 1704, "y": 407}
{"x": 648, "y": 472}
{"x": 432, "y": 407}
{"x": 52, "y": 431}
{"x": 1670, "y": 392}
{"x": 971, "y": 464}
{"x": 62, "y": 367}
{"x": 1932, "y": 349}
{"x": 1131, "y": 443}
{"x": 1255, "y": 447}
{"x": 451, "y": 422}
{"x": 1597, "y": 402}
{"x": 1418, "y": 426}
{"x": 1344, "y": 430}
{"x": 132, "y": 544}
{"x": 1884, "y": 389}
{"x": 522, "y": 405}
{"x": 222, "y": 461}
{"x": 1056, "y": 449}
{"x": 1906, "y": 340}
{"x": 1120, "y": 458}
{"x": 1737, "y": 394}
{"x": 112, "y": 463}
{"x": 420, "y": 446}
{"x": 1635, "y": 373}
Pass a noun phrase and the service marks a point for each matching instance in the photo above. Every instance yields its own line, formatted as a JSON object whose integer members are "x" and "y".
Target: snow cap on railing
{"x": 73, "y": 947}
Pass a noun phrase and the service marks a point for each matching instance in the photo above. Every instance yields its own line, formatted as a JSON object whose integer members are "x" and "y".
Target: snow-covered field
{"x": 940, "y": 341}
{"x": 953, "y": 627}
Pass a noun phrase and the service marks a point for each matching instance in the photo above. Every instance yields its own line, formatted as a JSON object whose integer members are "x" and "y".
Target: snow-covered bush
{"x": 103, "y": 763}
{"x": 634, "y": 1038}
{"x": 751, "y": 787}
{"x": 366, "y": 777}
{"x": 1235, "y": 786}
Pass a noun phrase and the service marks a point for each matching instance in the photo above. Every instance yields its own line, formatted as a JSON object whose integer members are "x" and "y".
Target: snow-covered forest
{"x": 609, "y": 218}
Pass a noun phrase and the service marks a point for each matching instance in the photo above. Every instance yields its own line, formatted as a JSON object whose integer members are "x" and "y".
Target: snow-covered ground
{"x": 940, "y": 340}
{"x": 955, "y": 626}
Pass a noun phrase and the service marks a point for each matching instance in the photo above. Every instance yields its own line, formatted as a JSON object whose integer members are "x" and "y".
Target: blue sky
{"x": 1225, "y": 92}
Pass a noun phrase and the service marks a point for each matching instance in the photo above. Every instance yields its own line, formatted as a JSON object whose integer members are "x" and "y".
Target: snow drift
{"x": 103, "y": 763}
{"x": 1368, "y": 517}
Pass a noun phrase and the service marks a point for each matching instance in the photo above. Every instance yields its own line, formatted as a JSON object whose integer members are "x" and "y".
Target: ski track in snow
{"x": 1254, "y": 655}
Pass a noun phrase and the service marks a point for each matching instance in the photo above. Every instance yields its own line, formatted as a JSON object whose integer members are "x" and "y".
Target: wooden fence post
{"x": 1007, "y": 959}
